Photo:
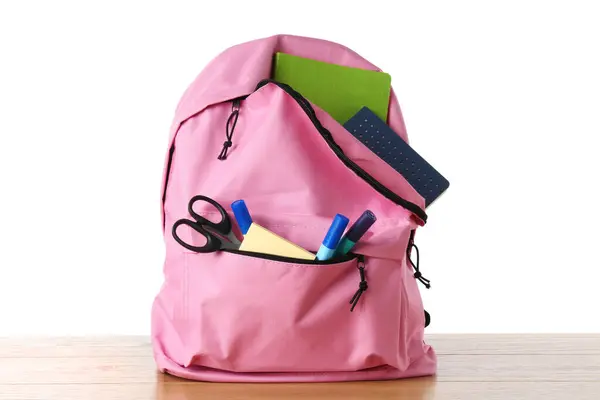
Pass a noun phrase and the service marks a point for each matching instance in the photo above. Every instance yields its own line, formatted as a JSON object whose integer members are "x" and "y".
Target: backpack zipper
{"x": 230, "y": 127}
{"x": 417, "y": 275}
{"x": 360, "y": 265}
{"x": 362, "y": 285}
{"x": 167, "y": 173}
{"x": 378, "y": 186}
{"x": 310, "y": 112}
{"x": 292, "y": 260}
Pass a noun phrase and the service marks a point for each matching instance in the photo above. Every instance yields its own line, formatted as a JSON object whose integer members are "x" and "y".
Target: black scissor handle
{"x": 212, "y": 242}
{"x": 223, "y": 226}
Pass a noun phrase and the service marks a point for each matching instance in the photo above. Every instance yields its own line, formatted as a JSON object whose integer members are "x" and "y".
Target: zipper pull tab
{"x": 229, "y": 127}
{"x": 235, "y": 105}
{"x": 417, "y": 274}
{"x": 362, "y": 286}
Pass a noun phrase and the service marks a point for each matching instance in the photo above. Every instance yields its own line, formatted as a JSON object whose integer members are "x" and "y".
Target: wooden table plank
{"x": 139, "y": 346}
{"x": 584, "y": 344}
{"x": 470, "y": 367}
{"x": 413, "y": 389}
{"x": 76, "y": 346}
{"x": 516, "y": 368}
{"x": 452, "y": 368}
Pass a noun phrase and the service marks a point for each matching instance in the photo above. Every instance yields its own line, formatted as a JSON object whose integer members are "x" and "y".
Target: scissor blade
{"x": 233, "y": 240}
{"x": 229, "y": 245}
{"x": 229, "y": 241}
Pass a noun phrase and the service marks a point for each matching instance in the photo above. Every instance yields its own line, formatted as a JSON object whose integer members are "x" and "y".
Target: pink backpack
{"x": 246, "y": 317}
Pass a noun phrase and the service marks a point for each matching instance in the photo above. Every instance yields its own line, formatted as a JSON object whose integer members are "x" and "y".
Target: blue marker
{"x": 359, "y": 228}
{"x": 327, "y": 249}
{"x": 242, "y": 215}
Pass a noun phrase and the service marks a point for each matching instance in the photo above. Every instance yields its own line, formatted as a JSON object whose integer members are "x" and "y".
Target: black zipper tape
{"x": 168, "y": 172}
{"x": 291, "y": 260}
{"x": 378, "y": 186}
{"x": 310, "y": 112}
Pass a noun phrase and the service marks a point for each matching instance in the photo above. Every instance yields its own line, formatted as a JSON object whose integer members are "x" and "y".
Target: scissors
{"x": 219, "y": 235}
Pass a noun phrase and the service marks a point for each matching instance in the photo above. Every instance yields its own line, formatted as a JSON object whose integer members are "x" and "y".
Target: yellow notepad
{"x": 262, "y": 240}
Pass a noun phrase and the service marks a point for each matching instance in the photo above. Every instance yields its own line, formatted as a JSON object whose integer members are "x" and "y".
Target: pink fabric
{"x": 230, "y": 317}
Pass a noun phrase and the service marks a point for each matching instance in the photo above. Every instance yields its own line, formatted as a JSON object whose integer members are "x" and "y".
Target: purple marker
{"x": 356, "y": 231}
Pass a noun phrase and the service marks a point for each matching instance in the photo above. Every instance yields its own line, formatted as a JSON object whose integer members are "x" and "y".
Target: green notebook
{"x": 341, "y": 91}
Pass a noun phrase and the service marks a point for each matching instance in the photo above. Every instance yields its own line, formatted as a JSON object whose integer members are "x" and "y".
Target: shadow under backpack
{"x": 236, "y": 317}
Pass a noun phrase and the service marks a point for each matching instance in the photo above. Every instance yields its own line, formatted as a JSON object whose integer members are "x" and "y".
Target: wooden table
{"x": 486, "y": 367}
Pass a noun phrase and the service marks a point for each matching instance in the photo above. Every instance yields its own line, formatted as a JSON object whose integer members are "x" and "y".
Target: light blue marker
{"x": 327, "y": 249}
{"x": 242, "y": 215}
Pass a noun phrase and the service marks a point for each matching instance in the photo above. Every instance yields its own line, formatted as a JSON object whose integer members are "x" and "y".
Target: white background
{"x": 502, "y": 97}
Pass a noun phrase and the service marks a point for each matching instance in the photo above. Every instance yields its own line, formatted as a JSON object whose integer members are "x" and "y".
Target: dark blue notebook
{"x": 383, "y": 141}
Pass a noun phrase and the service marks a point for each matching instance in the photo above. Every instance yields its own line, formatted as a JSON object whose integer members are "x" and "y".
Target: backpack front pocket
{"x": 244, "y": 313}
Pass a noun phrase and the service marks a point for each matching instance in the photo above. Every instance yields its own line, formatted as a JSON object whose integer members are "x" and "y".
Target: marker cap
{"x": 242, "y": 215}
{"x": 335, "y": 231}
{"x": 362, "y": 225}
